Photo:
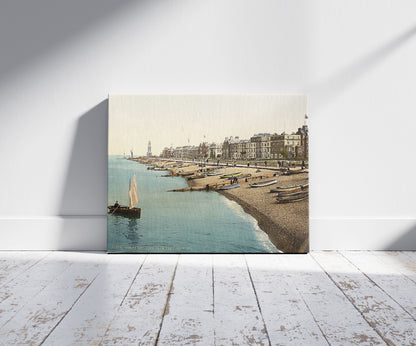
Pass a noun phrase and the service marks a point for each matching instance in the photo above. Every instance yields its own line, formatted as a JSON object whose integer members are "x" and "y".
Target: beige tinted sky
{"x": 168, "y": 120}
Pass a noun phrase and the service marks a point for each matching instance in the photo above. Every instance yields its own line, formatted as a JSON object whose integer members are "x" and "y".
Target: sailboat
{"x": 129, "y": 211}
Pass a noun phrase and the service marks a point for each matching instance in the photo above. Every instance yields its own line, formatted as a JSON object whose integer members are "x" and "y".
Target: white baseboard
{"x": 362, "y": 234}
{"x": 90, "y": 233}
{"x": 54, "y": 233}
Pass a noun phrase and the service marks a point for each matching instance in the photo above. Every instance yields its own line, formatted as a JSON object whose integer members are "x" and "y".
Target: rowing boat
{"x": 264, "y": 183}
{"x": 229, "y": 187}
{"x": 214, "y": 173}
{"x": 296, "y": 171}
{"x": 124, "y": 211}
{"x": 242, "y": 177}
{"x": 198, "y": 176}
{"x": 291, "y": 194}
{"x": 291, "y": 188}
{"x": 186, "y": 174}
{"x": 289, "y": 199}
{"x": 231, "y": 175}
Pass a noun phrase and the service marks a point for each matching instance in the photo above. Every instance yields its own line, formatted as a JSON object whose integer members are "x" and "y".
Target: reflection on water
{"x": 132, "y": 233}
{"x": 181, "y": 222}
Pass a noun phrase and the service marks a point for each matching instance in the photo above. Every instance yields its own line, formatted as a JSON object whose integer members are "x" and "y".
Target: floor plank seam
{"x": 37, "y": 293}
{"x": 122, "y": 301}
{"x": 374, "y": 283}
{"x": 310, "y": 311}
{"x": 404, "y": 274}
{"x": 134, "y": 279}
{"x": 349, "y": 299}
{"x": 24, "y": 271}
{"x": 167, "y": 301}
{"x": 257, "y": 300}
{"x": 70, "y": 308}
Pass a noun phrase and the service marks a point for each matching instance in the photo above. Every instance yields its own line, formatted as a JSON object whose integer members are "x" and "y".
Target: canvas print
{"x": 208, "y": 174}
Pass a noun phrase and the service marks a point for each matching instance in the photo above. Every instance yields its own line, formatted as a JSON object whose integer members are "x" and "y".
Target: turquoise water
{"x": 177, "y": 222}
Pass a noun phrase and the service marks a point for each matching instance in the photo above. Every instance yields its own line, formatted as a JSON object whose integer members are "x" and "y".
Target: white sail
{"x": 134, "y": 199}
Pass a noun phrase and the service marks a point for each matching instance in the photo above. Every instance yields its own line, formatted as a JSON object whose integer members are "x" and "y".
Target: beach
{"x": 287, "y": 225}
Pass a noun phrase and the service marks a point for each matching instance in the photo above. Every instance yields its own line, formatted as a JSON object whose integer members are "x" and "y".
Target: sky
{"x": 168, "y": 120}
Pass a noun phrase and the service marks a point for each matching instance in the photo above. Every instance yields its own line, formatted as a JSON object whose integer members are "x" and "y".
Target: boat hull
{"x": 214, "y": 174}
{"x": 229, "y": 187}
{"x": 197, "y": 177}
{"x": 124, "y": 211}
{"x": 241, "y": 177}
{"x": 291, "y": 199}
{"x": 263, "y": 184}
{"x": 232, "y": 175}
{"x": 292, "y": 188}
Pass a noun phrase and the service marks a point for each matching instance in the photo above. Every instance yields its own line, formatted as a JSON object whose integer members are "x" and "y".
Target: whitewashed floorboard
{"x": 338, "y": 319}
{"x": 16, "y": 293}
{"x": 386, "y": 276}
{"x": 238, "y": 320}
{"x": 80, "y": 299}
{"x": 288, "y": 319}
{"x": 32, "y": 323}
{"x": 387, "y": 317}
{"x": 89, "y": 319}
{"x": 189, "y": 315}
{"x": 13, "y": 263}
{"x": 403, "y": 262}
{"x": 139, "y": 318}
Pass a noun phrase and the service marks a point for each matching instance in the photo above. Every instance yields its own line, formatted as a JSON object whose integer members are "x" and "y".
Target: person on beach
{"x": 265, "y": 163}
{"x": 248, "y": 164}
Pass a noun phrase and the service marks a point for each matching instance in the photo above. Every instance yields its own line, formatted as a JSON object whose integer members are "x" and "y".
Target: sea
{"x": 177, "y": 222}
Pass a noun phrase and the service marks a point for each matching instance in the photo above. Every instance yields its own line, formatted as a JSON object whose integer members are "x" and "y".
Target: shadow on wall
{"x": 406, "y": 242}
{"x": 83, "y": 206}
{"x": 325, "y": 91}
{"x": 85, "y": 189}
{"x": 25, "y": 27}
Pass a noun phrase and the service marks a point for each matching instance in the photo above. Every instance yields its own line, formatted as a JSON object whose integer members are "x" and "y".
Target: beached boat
{"x": 186, "y": 174}
{"x": 231, "y": 175}
{"x": 291, "y": 188}
{"x": 242, "y": 176}
{"x": 214, "y": 173}
{"x": 198, "y": 176}
{"x": 296, "y": 171}
{"x": 291, "y": 194}
{"x": 291, "y": 199}
{"x": 129, "y": 211}
{"x": 264, "y": 183}
{"x": 229, "y": 187}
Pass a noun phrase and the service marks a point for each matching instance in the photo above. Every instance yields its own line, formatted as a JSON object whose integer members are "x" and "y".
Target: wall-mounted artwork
{"x": 208, "y": 174}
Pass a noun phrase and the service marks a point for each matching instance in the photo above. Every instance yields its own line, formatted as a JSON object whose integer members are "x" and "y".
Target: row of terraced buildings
{"x": 261, "y": 146}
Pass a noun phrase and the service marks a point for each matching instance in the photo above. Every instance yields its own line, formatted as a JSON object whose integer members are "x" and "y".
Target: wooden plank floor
{"x": 91, "y": 298}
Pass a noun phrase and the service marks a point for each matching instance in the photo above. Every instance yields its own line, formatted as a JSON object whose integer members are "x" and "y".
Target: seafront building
{"x": 215, "y": 150}
{"x": 261, "y": 146}
{"x": 284, "y": 146}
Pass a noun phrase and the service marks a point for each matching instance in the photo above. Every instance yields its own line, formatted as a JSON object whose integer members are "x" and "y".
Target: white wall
{"x": 60, "y": 59}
